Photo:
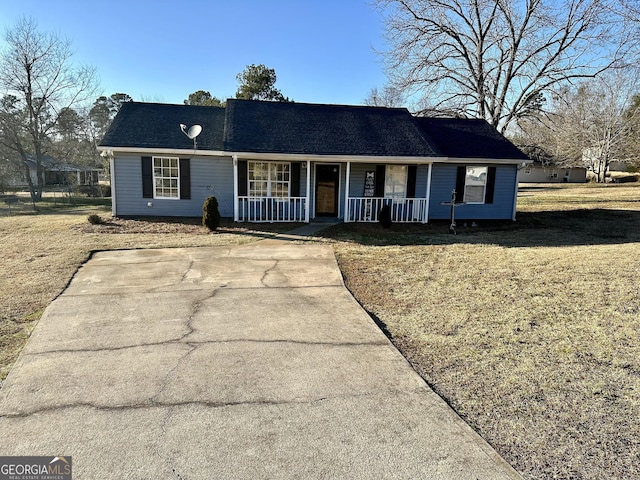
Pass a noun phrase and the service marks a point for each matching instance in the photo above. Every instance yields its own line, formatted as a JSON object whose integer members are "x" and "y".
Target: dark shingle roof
{"x": 154, "y": 125}
{"x": 469, "y": 138}
{"x": 301, "y": 128}
{"x": 276, "y": 127}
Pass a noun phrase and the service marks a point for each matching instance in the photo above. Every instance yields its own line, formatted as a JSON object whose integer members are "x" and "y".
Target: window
{"x": 395, "y": 181}
{"x": 166, "y": 176}
{"x": 475, "y": 184}
{"x": 269, "y": 179}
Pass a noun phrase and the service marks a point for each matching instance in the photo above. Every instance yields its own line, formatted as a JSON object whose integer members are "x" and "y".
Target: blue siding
{"x": 443, "y": 181}
{"x": 214, "y": 177}
{"x": 209, "y": 177}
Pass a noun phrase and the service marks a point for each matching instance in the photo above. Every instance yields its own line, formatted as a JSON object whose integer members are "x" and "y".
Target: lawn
{"x": 531, "y": 331}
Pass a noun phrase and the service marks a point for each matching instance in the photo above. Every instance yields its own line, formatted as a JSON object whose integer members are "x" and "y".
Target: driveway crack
{"x": 268, "y": 271}
{"x": 210, "y": 404}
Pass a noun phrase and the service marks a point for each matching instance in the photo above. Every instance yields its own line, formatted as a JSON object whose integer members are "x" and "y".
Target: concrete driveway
{"x": 220, "y": 363}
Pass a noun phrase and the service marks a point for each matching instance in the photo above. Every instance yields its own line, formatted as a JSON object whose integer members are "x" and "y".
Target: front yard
{"x": 530, "y": 331}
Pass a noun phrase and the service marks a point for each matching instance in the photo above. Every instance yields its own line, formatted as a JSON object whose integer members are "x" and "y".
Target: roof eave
{"x": 164, "y": 151}
{"x": 299, "y": 157}
{"x": 485, "y": 160}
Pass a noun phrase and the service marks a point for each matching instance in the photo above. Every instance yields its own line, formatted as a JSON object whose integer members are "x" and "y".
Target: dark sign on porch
{"x": 370, "y": 184}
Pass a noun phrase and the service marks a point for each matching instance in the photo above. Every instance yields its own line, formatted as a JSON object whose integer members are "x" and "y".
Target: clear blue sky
{"x": 322, "y": 50}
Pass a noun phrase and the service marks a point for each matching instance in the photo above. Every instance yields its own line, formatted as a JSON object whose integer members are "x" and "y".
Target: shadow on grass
{"x": 533, "y": 229}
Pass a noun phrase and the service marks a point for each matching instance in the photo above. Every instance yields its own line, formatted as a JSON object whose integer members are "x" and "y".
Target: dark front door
{"x": 327, "y": 181}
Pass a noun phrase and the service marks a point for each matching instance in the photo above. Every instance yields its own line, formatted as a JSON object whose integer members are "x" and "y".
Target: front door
{"x": 327, "y": 185}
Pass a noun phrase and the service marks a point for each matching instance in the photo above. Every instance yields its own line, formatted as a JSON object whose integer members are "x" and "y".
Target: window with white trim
{"x": 269, "y": 179}
{"x": 395, "y": 181}
{"x": 166, "y": 177}
{"x": 475, "y": 184}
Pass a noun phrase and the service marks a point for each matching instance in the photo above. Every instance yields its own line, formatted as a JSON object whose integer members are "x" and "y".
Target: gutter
{"x": 299, "y": 157}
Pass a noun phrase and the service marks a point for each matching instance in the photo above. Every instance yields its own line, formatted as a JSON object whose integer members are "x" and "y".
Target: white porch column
{"x": 425, "y": 219}
{"x": 346, "y": 193}
{"x": 235, "y": 188}
{"x": 308, "y": 199}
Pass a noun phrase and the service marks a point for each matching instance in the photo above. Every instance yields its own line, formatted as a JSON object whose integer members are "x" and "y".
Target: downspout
{"x": 425, "y": 219}
{"x": 235, "y": 188}
{"x": 308, "y": 199}
{"x": 346, "y": 193}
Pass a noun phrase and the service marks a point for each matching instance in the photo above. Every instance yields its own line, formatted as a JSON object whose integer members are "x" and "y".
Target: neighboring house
{"x": 56, "y": 173}
{"x": 618, "y": 166}
{"x": 279, "y": 162}
{"x": 538, "y": 172}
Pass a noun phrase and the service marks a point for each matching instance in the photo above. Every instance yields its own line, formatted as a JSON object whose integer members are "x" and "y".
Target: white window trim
{"x": 153, "y": 171}
{"x": 406, "y": 180}
{"x": 484, "y": 187}
{"x": 268, "y": 180}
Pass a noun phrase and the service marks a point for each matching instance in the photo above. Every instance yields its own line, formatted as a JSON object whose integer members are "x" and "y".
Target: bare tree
{"x": 591, "y": 124}
{"x": 389, "y": 96}
{"x": 631, "y": 145}
{"x": 497, "y": 59}
{"x": 40, "y": 84}
{"x": 607, "y": 117}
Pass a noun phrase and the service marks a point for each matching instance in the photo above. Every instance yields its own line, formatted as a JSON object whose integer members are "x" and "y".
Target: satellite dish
{"x": 192, "y": 133}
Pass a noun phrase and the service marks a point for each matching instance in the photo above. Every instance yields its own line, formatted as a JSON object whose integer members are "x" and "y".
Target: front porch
{"x": 277, "y": 191}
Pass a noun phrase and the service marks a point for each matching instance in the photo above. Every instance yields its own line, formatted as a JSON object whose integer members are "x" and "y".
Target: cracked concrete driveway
{"x": 230, "y": 362}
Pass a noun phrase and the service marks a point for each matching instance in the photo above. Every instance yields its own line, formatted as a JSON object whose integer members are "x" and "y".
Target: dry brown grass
{"x": 531, "y": 333}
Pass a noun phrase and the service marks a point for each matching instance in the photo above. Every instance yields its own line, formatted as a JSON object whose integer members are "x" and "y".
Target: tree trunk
{"x": 40, "y": 187}
{"x": 27, "y": 176}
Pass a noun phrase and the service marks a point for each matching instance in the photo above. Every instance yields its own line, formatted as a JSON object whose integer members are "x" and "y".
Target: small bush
{"x": 95, "y": 219}
{"x": 385, "y": 216}
{"x": 211, "y": 214}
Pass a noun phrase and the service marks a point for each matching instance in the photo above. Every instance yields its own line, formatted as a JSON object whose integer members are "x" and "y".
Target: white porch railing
{"x": 272, "y": 209}
{"x": 403, "y": 210}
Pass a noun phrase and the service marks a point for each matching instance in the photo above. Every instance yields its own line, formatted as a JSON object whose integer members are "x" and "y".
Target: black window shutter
{"x": 411, "y": 181}
{"x": 380, "y": 173}
{"x": 243, "y": 177}
{"x": 295, "y": 179}
{"x": 185, "y": 179}
{"x": 460, "y": 181}
{"x": 147, "y": 178}
{"x": 491, "y": 185}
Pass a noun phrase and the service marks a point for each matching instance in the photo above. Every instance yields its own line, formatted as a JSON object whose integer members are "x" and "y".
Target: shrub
{"x": 95, "y": 219}
{"x": 385, "y": 216}
{"x": 210, "y": 213}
